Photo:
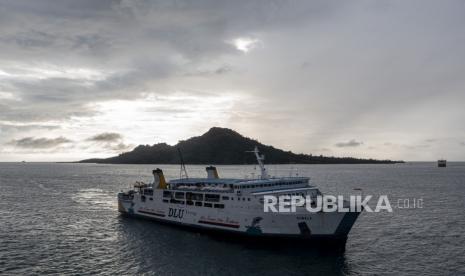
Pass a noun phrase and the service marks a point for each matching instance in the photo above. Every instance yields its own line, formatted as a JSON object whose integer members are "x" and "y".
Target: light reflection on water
{"x": 62, "y": 218}
{"x": 96, "y": 199}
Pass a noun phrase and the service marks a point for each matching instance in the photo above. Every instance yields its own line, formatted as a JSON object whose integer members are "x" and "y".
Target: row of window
{"x": 193, "y": 196}
{"x": 252, "y": 186}
{"x": 243, "y": 198}
{"x": 198, "y": 197}
{"x": 201, "y": 184}
{"x": 196, "y": 203}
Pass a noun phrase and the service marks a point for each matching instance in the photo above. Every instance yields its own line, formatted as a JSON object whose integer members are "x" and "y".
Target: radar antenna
{"x": 260, "y": 159}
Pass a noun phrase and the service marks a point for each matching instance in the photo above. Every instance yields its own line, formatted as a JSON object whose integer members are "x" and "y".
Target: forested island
{"x": 222, "y": 146}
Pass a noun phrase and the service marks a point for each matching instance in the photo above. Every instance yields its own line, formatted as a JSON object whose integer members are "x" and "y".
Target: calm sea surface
{"x": 62, "y": 219}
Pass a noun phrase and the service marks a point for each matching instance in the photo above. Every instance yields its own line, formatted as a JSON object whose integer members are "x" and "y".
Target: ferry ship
{"x": 234, "y": 206}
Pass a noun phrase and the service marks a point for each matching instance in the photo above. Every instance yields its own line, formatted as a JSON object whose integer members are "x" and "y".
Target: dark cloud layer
{"x": 120, "y": 147}
{"x": 40, "y": 143}
{"x": 110, "y": 141}
{"x": 106, "y": 137}
{"x": 351, "y": 143}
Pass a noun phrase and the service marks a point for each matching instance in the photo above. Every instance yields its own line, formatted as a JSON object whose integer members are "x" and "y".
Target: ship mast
{"x": 260, "y": 159}
{"x": 182, "y": 171}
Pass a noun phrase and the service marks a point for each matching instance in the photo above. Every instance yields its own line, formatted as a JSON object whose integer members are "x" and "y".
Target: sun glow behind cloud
{"x": 163, "y": 118}
{"x": 147, "y": 120}
{"x": 246, "y": 44}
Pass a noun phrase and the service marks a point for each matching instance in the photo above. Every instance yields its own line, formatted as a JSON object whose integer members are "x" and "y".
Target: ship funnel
{"x": 212, "y": 173}
{"x": 159, "y": 179}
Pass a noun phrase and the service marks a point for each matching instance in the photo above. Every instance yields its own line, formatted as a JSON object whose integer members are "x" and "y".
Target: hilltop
{"x": 222, "y": 146}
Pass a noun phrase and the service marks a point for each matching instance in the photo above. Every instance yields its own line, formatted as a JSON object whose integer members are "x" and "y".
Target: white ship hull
{"x": 242, "y": 217}
{"x": 235, "y": 205}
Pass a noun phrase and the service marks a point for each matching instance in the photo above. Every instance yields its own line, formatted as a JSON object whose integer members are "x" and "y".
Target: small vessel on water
{"x": 235, "y": 206}
{"x": 442, "y": 163}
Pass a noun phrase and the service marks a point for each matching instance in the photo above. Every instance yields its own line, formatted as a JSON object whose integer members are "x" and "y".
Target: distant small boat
{"x": 442, "y": 163}
{"x": 23, "y": 161}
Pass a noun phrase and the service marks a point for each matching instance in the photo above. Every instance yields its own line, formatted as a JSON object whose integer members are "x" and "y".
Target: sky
{"x": 374, "y": 79}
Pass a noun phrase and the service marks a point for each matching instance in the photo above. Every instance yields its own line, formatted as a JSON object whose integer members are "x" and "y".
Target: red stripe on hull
{"x": 150, "y": 213}
{"x": 219, "y": 224}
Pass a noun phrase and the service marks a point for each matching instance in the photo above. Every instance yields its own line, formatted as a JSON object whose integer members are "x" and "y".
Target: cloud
{"x": 282, "y": 62}
{"x": 323, "y": 150}
{"x": 120, "y": 147}
{"x": 416, "y": 147}
{"x": 210, "y": 71}
{"x": 107, "y": 141}
{"x": 6, "y": 127}
{"x": 106, "y": 137}
{"x": 351, "y": 143}
{"x": 31, "y": 142}
{"x": 245, "y": 44}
